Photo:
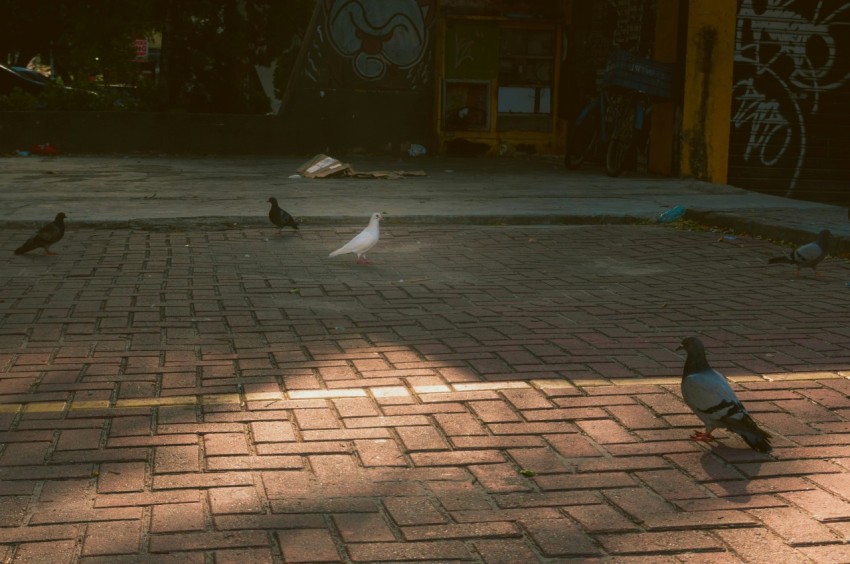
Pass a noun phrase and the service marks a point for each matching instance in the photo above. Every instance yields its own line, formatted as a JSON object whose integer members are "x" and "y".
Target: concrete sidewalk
{"x": 157, "y": 192}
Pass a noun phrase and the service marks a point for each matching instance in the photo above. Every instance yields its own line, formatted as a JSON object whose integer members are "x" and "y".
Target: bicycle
{"x": 588, "y": 135}
{"x": 620, "y": 109}
{"x": 640, "y": 80}
{"x": 630, "y": 128}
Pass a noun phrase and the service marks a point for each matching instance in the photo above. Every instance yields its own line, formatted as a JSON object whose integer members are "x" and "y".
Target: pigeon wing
{"x": 709, "y": 395}
{"x": 286, "y": 219}
{"x": 274, "y": 216}
{"x": 361, "y": 243}
{"x": 48, "y": 234}
{"x": 808, "y": 254}
{"x": 715, "y": 403}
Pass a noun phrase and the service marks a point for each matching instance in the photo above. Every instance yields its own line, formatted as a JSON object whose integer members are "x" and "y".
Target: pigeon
{"x": 49, "y": 234}
{"x": 364, "y": 241}
{"x": 712, "y": 399}
{"x": 809, "y": 254}
{"x": 279, "y": 217}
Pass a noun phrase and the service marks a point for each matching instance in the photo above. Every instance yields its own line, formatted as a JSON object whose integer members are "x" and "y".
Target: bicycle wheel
{"x": 581, "y": 139}
{"x": 621, "y": 144}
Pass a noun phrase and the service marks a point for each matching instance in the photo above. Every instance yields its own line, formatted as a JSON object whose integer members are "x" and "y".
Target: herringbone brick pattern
{"x": 479, "y": 394}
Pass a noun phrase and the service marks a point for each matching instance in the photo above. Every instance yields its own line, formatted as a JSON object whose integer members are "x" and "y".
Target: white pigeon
{"x": 713, "y": 400}
{"x": 364, "y": 241}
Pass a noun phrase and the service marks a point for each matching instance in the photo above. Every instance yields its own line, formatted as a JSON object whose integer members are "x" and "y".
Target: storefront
{"x": 498, "y": 66}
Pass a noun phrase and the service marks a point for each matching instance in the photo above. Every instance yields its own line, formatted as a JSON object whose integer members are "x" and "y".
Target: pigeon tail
{"x": 753, "y": 435}
{"x": 48, "y": 234}
{"x": 26, "y": 247}
{"x": 757, "y": 442}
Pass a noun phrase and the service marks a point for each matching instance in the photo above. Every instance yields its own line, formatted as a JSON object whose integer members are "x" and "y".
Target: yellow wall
{"x": 707, "y": 101}
{"x": 663, "y": 132}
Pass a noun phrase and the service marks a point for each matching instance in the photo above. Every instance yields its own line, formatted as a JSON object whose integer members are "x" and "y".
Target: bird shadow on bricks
{"x": 732, "y": 470}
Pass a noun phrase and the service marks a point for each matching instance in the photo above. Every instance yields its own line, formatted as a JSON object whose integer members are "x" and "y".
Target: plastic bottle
{"x": 672, "y": 214}
{"x": 416, "y": 150}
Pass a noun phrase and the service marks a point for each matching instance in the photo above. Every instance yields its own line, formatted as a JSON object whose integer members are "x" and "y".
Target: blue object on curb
{"x": 671, "y": 215}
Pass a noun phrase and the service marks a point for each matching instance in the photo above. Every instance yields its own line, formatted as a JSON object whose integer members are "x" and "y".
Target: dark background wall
{"x": 366, "y": 81}
{"x": 130, "y": 132}
{"x": 790, "y": 131}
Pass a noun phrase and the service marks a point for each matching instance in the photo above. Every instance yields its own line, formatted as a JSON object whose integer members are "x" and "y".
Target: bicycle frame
{"x": 597, "y": 102}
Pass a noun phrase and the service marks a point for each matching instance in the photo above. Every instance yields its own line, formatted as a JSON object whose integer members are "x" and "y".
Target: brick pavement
{"x": 479, "y": 394}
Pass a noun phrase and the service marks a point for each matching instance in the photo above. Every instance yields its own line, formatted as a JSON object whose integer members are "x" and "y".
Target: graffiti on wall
{"x": 379, "y": 35}
{"x": 786, "y": 59}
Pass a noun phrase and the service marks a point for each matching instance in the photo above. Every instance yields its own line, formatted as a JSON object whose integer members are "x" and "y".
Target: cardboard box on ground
{"x": 323, "y": 166}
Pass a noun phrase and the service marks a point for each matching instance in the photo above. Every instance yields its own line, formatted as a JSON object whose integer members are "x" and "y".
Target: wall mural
{"x": 786, "y": 59}
{"x": 377, "y": 40}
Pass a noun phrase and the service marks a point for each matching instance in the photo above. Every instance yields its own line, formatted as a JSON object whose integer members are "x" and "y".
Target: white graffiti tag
{"x": 769, "y": 36}
{"x": 770, "y": 132}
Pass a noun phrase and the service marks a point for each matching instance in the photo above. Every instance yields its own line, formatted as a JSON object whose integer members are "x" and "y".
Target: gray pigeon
{"x": 712, "y": 399}
{"x": 808, "y": 255}
{"x": 364, "y": 241}
{"x": 279, "y": 217}
{"x": 48, "y": 234}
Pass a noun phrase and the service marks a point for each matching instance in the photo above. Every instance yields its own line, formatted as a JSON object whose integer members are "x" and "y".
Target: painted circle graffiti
{"x": 377, "y": 34}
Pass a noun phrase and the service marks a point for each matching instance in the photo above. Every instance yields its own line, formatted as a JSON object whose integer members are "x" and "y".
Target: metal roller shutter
{"x": 790, "y": 132}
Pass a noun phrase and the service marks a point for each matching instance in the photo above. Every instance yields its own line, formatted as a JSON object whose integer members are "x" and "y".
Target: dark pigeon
{"x": 712, "y": 399}
{"x": 49, "y": 234}
{"x": 808, "y": 255}
{"x": 279, "y": 217}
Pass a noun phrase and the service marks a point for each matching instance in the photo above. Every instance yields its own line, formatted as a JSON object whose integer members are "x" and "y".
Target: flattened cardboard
{"x": 323, "y": 166}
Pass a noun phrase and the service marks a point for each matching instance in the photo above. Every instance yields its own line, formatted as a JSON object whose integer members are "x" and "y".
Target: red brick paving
{"x": 479, "y": 394}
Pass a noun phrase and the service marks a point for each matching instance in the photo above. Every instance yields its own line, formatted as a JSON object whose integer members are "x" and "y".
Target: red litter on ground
{"x": 44, "y": 149}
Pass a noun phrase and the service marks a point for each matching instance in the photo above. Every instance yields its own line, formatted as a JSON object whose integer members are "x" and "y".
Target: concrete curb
{"x": 734, "y": 221}
{"x": 746, "y": 224}
{"x": 237, "y": 222}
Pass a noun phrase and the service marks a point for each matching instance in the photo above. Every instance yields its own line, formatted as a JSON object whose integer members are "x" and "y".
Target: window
{"x": 526, "y": 72}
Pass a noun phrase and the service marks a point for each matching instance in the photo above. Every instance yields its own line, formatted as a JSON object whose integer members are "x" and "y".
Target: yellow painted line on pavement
{"x": 264, "y": 396}
{"x": 89, "y": 404}
{"x": 327, "y": 394}
{"x": 220, "y": 399}
{"x": 744, "y": 378}
{"x": 434, "y": 389}
{"x": 478, "y": 386}
{"x": 388, "y": 392}
{"x": 559, "y": 383}
{"x": 787, "y": 376}
{"x": 156, "y": 402}
{"x": 659, "y": 381}
{"x": 44, "y": 406}
{"x": 570, "y": 383}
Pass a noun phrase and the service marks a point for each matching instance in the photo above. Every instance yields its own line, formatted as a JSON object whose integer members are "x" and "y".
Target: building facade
{"x": 757, "y": 97}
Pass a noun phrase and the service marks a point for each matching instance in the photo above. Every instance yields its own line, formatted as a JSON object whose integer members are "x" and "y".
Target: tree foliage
{"x": 209, "y": 49}
{"x": 84, "y": 37}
